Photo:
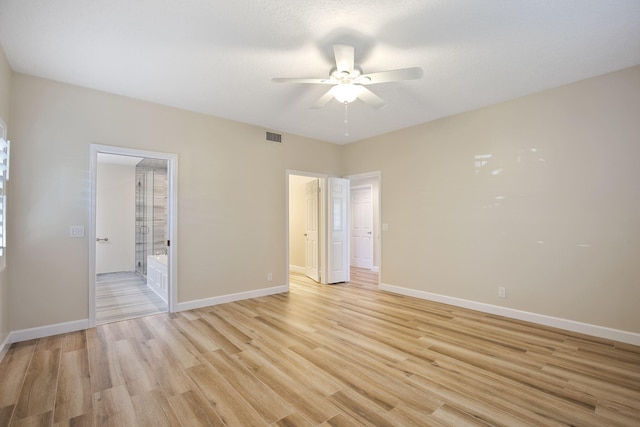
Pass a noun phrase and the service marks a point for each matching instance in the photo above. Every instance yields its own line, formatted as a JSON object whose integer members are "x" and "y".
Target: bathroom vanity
{"x": 157, "y": 277}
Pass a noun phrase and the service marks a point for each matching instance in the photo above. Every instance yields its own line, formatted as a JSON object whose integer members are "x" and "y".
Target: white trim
{"x": 357, "y": 176}
{"x": 541, "y": 319}
{"x": 3, "y": 216}
{"x": 322, "y": 177}
{"x": 206, "y": 302}
{"x": 78, "y": 325}
{"x": 297, "y": 269}
{"x": 378, "y": 176}
{"x": 49, "y": 330}
{"x": 373, "y": 234}
{"x": 172, "y": 213}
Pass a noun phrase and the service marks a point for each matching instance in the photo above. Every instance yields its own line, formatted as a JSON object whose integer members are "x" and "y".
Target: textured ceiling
{"x": 218, "y": 57}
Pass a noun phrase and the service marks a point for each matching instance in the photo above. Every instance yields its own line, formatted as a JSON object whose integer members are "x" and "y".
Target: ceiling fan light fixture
{"x": 349, "y": 83}
{"x": 345, "y": 93}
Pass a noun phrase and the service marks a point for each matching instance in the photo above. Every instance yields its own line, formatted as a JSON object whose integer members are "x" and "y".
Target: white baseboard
{"x": 541, "y": 319}
{"x": 206, "y": 302}
{"x": 49, "y": 330}
{"x": 297, "y": 269}
{"x": 77, "y": 325}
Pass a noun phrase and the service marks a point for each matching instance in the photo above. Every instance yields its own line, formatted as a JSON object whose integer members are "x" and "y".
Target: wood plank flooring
{"x": 125, "y": 295}
{"x": 339, "y": 355}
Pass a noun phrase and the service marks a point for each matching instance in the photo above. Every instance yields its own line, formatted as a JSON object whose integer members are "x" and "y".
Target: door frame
{"x": 172, "y": 218}
{"x": 377, "y": 210}
{"x": 321, "y": 220}
{"x": 373, "y": 226}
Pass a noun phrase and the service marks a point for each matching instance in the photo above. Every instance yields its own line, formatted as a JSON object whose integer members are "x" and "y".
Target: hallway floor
{"x": 124, "y": 295}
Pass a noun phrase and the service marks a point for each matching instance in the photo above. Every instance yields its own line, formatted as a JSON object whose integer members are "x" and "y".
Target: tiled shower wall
{"x": 151, "y": 211}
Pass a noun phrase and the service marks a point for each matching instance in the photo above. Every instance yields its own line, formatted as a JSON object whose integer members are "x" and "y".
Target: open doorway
{"x": 132, "y": 261}
{"x": 318, "y": 227}
{"x": 365, "y": 228}
{"x": 305, "y": 219}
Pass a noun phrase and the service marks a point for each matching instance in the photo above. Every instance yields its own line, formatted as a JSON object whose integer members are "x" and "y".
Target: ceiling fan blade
{"x": 390, "y": 76}
{"x": 370, "y": 98}
{"x": 302, "y": 80}
{"x": 345, "y": 55}
{"x": 323, "y": 100}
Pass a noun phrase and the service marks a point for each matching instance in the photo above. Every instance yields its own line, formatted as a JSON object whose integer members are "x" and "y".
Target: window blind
{"x": 4, "y": 177}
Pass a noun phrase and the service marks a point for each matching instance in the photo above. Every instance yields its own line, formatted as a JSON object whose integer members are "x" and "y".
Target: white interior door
{"x": 338, "y": 230}
{"x": 115, "y": 213}
{"x": 362, "y": 227}
{"x": 311, "y": 252}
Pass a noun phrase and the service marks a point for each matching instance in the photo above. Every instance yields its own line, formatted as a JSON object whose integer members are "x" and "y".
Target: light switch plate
{"x": 76, "y": 231}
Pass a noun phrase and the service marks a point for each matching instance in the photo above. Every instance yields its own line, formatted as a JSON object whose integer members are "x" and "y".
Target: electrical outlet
{"x": 502, "y": 292}
{"x": 269, "y": 277}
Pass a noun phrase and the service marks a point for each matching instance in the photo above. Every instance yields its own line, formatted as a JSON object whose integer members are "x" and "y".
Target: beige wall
{"x": 5, "y": 107}
{"x": 5, "y": 87}
{"x": 116, "y": 218}
{"x": 552, "y": 216}
{"x": 231, "y": 194}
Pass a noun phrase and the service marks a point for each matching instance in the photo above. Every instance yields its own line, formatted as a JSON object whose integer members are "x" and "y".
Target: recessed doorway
{"x": 318, "y": 227}
{"x": 132, "y": 261}
{"x": 366, "y": 227}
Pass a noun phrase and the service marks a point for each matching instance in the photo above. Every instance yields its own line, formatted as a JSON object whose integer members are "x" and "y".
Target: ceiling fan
{"x": 349, "y": 82}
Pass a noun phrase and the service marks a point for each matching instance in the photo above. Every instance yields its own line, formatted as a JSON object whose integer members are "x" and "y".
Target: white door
{"x": 338, "y": 230}
{"x": 362, "y": 227}
{"x": 311, "y": 252}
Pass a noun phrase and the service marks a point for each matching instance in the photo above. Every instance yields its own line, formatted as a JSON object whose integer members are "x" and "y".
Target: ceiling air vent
{"x": 275, "y": 137}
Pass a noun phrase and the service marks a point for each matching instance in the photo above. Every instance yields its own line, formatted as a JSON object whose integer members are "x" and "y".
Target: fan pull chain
{"x": 346, "y": 119}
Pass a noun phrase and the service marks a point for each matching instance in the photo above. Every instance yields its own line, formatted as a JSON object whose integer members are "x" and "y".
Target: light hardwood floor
{"x": 335, "y": 355}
